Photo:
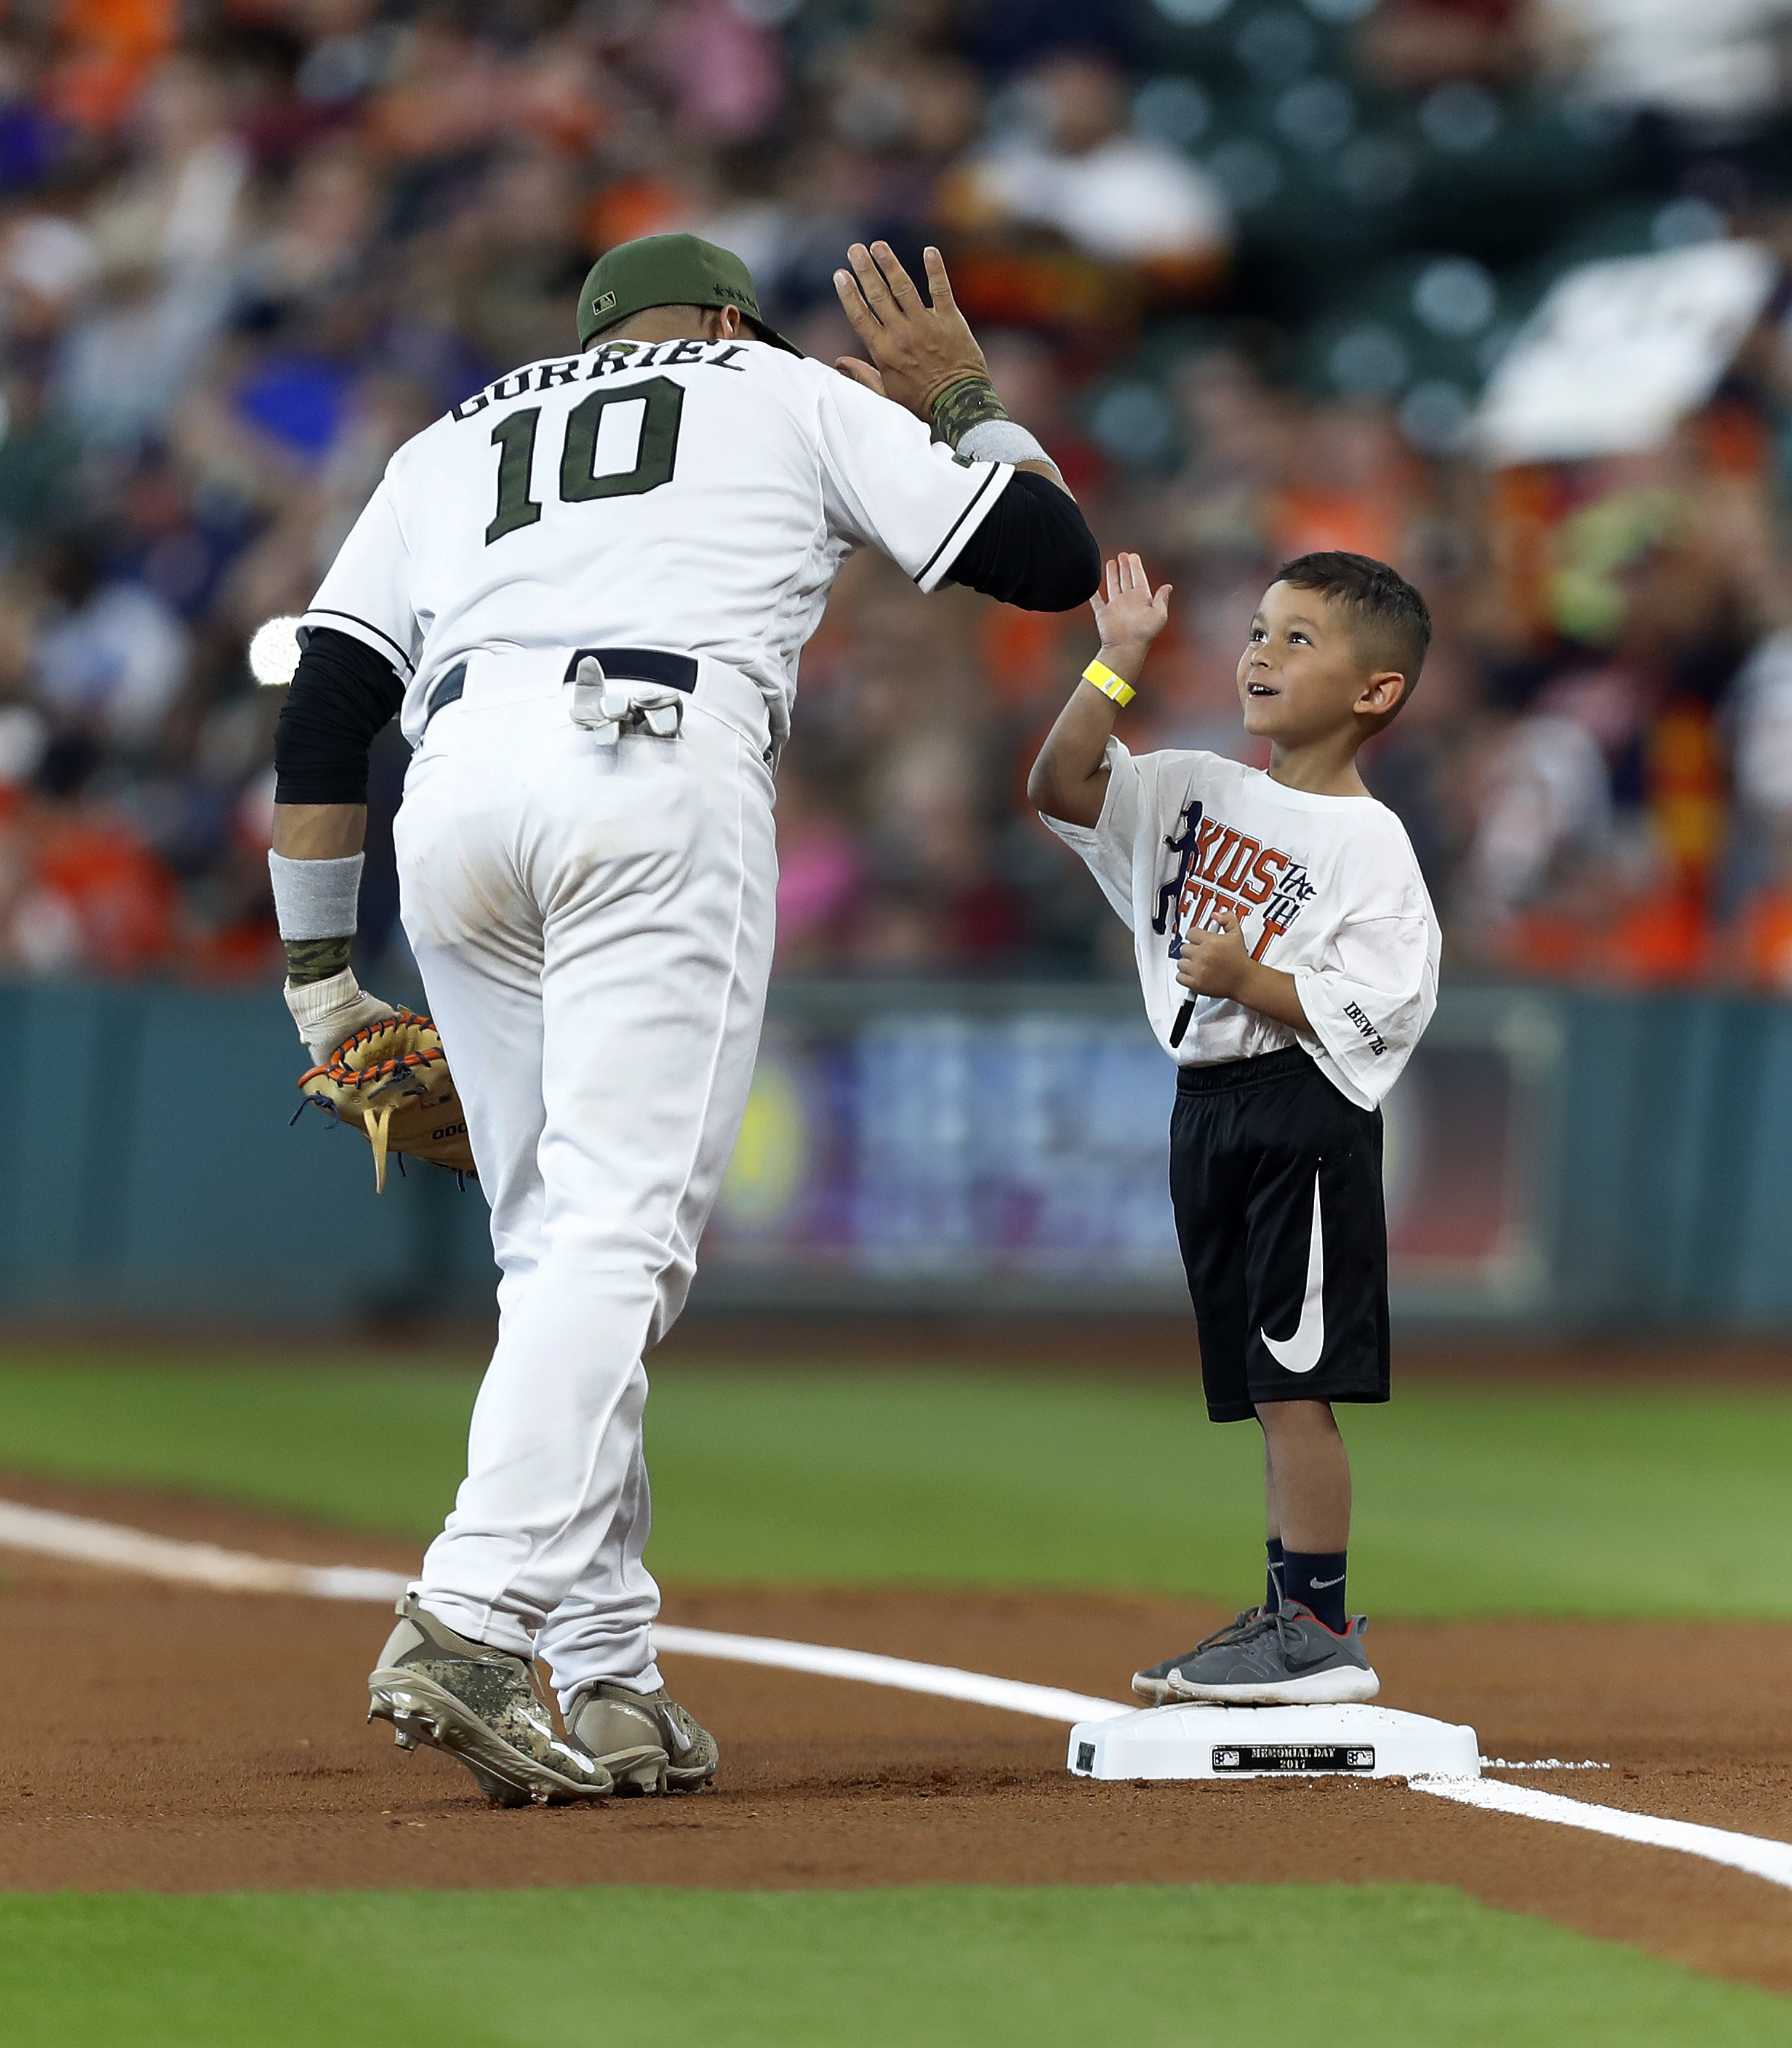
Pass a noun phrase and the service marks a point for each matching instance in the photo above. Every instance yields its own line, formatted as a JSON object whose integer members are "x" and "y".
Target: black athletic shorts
{"x": 1276, "y": 1181}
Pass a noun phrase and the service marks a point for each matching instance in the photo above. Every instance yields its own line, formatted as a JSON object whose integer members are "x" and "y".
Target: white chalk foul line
{"x": 1757, "y": 1854}
{"x": 78, "y": 1540}
{"x": 1541, "y": 1763}
{"x": 944, "y": 1681}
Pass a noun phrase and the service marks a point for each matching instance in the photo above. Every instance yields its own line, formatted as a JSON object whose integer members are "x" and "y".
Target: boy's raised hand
{"x": 1128, "y": 615}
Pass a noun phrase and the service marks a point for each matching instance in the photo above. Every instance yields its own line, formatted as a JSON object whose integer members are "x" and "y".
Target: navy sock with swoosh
{"x": 1316, "y": 1579}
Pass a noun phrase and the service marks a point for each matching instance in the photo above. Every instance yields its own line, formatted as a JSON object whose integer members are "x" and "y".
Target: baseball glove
{"x": 390, "y": 1081}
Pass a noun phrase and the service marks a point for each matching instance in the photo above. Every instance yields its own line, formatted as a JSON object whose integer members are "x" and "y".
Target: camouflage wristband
{"x": 962, "y": 405}
{"x": 309, "y": 960}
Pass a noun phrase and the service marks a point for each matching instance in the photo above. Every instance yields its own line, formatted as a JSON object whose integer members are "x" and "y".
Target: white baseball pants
{"x": 594, "y": 928}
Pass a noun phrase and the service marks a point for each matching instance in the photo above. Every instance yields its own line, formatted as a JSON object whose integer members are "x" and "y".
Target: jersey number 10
{"x": 514, "y": 437}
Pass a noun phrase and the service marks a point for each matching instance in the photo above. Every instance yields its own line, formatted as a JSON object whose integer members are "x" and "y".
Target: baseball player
{"x": 587, "y": 587}
{"x": 1288, "y": 953}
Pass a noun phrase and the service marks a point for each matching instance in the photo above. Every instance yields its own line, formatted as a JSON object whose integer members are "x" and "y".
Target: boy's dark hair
{"x": 1392, "y": 621}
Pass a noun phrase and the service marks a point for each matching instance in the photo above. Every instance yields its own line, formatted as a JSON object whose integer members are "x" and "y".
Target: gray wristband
{"x": 316, "y": 899}
{"x": 1001, "y": 441}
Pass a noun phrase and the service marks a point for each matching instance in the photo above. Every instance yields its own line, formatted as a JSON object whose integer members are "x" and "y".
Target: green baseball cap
{"x": 668, "y": 270}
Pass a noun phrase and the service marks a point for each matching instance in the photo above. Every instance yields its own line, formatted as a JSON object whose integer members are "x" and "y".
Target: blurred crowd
{"x": 246, "y": 249}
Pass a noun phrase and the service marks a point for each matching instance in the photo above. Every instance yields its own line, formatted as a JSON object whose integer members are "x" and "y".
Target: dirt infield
{"x": 183, "y": 1740}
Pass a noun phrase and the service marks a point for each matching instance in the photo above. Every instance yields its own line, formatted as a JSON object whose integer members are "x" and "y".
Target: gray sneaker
{"x": 1154, "y": 1685}
{"x": 1290, "y": 1659}
{"x": 646, "y": 1741}
{"x": 480, "y": 1706}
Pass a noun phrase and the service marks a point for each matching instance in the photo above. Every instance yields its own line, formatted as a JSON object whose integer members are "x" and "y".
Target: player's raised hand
{"x": 1214, "y": 963}
{"x": 1128, "y": 614}
{"x": 917, "y": 349}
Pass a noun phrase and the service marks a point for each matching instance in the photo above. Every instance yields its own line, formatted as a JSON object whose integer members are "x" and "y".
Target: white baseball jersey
{"x": 693, "y": 495}
{"x": 1327, "y": 888}
{"x": 593, "y": 913}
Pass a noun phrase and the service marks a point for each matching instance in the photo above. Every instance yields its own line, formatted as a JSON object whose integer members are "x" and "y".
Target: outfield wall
{"x": 1554, "y": 1161}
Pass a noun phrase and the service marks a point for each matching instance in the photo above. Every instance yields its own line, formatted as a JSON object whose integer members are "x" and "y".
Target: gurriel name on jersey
{"x": 599, "y": 362}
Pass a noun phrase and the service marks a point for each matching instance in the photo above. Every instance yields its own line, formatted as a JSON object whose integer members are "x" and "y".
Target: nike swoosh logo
{"x": 1300, "y": 1353}
{"x": 1312, "y": 1663}
{"x": 1321, "y": 1584}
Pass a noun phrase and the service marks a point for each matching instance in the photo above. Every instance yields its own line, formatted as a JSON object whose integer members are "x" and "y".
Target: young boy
{"x": 1288, "y": 951}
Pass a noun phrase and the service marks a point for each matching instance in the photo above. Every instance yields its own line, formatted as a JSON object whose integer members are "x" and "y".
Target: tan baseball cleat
{"x": 646, "y": 1741}
{"x": 481, "y": 1707}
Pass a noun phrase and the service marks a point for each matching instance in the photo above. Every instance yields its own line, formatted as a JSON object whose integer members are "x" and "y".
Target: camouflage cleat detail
{"x": 1290, "y": 1659}
{"x": 480, "y": 1706}
{"x": 645, "y": 1740}
{"x": 1154, "y": 1684}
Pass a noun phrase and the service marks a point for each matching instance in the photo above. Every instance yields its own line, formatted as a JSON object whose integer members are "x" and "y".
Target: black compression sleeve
{"x": 341, "y": 696}
{"x": 1034, "y": 549}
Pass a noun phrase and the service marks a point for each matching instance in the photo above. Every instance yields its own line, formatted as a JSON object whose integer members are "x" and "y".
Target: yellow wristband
{"x": 1104, "y": 679}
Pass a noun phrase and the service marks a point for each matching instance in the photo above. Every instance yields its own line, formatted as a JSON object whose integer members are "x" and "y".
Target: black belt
{"x": 1280, "y": 1065}
{"x": 620, "y": 664}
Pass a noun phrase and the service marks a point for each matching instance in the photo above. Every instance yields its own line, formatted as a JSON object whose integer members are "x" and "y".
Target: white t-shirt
{"x": 1327, "y": 889}
{"x": 692, "y": 495}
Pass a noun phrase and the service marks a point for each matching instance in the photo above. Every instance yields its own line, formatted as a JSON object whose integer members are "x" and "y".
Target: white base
{"x": 1217, "y": 1742}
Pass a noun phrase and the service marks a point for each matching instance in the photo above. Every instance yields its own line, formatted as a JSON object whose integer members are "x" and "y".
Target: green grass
{"x": 1157, "y": 1967}
{"x": 1632, "y": 1501}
